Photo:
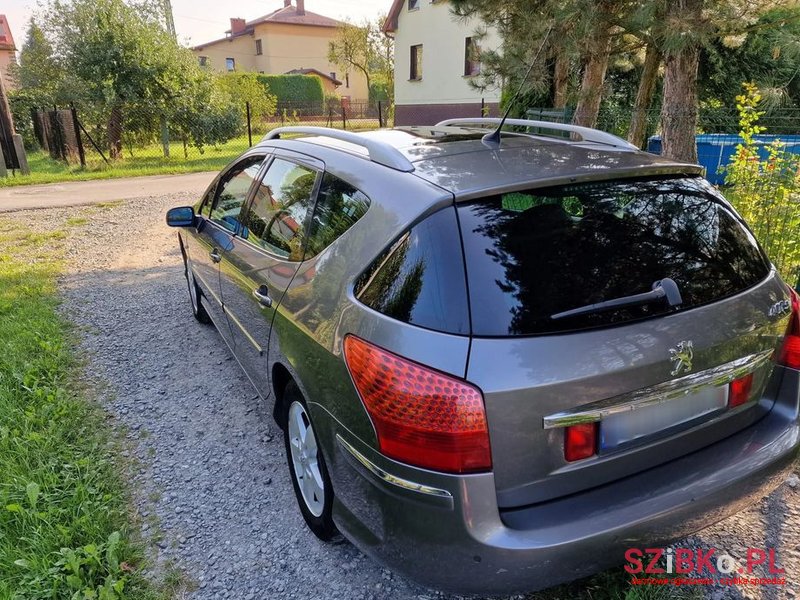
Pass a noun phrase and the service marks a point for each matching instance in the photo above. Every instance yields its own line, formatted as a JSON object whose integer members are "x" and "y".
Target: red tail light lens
{"x": 739, "y": 390}
{"x": 790, "y": 353}
{"x": 580, "y": 441}
{"x": 422, "y": 417}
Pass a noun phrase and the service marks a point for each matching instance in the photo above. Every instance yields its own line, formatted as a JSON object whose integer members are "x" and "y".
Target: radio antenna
{"x": 493, "y": 139}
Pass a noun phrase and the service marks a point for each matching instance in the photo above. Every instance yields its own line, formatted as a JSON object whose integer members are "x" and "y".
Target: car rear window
{"x": 533, "y": 254}
{"x": 419, "y": 278}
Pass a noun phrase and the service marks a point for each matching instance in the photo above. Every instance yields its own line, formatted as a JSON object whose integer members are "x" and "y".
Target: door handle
{"x": 261, "y": 293}
{"x": 215, "y": 256}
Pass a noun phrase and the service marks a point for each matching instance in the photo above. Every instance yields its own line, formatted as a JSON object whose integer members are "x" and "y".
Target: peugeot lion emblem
{"x": 681, "y": 358}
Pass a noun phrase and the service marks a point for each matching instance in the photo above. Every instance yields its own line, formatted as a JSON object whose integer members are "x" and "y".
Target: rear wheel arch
{"x": 281, "y": 376}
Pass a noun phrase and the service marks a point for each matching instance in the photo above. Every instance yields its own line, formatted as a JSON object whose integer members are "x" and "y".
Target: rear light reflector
{"x": 580, "y": 441}
{"x": 421, "y": 416}
{"x": 739, "y": 391}
{"x": 790, "y": 352}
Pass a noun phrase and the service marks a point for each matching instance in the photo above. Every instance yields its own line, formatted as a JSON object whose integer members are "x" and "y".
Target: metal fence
{"x": 136, "y": 133}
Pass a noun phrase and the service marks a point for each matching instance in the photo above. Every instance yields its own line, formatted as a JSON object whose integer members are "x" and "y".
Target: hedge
{"x": 294, "y": 88}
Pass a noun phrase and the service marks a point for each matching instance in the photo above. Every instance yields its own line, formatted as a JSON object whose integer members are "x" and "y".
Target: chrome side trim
{"x": 208, "y": 287}
{"x": 244, "y": 331}
{"x": 388, "y": 477}
{"x": 657, "y": 394}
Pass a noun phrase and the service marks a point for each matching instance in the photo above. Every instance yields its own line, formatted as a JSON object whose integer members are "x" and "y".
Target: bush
{"x": 294, "y": 88}
{"x": 766, "y": 191}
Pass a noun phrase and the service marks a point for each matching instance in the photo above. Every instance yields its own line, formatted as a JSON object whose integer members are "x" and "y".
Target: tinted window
{"x": 534, "y": 254}
{"x": 277, "y": 216}
{"x": 232, "y": 192}
{"x": 420, "y": 278}
{"x": 339, "y": 206}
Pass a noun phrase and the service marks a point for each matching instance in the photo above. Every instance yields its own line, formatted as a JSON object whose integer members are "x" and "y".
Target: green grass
{"x": 615, "y": 585}
{"x": 65, "y": 526}
{"x": 148, "y": 160}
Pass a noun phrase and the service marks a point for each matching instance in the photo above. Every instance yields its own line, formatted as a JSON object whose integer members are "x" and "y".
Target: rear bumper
{"x": 451, "y": 535}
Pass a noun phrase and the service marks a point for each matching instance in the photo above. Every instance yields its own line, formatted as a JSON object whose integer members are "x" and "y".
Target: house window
{"x": 413, "y": 4}
{"x": 259, "y": 49}
{"x": 347, "y": 80}
{"x": 472, "y": 53}
{"x": 230, "y": 64}
{"x": 416, "y": 63}
{"x": 203, "y": 61}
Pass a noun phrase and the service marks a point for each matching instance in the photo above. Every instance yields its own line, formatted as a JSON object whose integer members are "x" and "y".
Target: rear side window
{"x": 276, "y": 218}
{"x": 419, "y": 279}
{"x": 339, "y": 206}
{"x": 535, "y": 254}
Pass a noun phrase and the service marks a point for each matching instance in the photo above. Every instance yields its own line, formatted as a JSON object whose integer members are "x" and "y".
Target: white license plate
{"x": 628, "y": 426}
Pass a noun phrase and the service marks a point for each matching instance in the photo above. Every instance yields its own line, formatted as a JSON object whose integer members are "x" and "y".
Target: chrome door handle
{"x": 215, "y": 256}
{"x": 262, "y": 295}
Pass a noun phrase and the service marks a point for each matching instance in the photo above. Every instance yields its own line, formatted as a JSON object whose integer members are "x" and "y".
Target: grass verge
{"x": 65, "y": 528}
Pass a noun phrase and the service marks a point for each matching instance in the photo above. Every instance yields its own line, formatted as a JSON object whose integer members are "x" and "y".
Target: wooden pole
{"x": 7, "y": 128}
{"x": 3, "y": 170}
{"x": 77, "y": 127}
{"x": 22, "y": 158}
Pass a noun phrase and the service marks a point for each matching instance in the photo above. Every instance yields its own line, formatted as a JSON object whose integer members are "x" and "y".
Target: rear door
{"x": 259, "y": 263}
{"x": 651, "y": 380}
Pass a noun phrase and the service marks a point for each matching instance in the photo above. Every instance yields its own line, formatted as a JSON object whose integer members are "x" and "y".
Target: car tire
{"x": 307, "y": 468}
{"x": 195, "y": 298}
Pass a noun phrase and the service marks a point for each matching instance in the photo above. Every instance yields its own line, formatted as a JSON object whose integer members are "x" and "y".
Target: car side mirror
{"x": 182, "y": 216}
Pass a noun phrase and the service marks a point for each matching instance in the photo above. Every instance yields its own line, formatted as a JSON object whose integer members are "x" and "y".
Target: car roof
{"x": 456, "y": 158}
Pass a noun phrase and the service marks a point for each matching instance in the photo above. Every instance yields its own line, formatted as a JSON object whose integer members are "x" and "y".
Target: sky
{"x": 199, "y": 21}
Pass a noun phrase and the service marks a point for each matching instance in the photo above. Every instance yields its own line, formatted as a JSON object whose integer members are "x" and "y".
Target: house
{"x": 435, "y": 57}
{"x": 8, "y": 53}
{"x": 287, "y": 40}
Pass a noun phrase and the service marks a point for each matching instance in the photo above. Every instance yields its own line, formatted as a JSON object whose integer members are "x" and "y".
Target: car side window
{"x": 232, "y": 193}
{"x": 276, "y": 218}
{"x": 208, "y": 200}
{"x": 339, "y": 206}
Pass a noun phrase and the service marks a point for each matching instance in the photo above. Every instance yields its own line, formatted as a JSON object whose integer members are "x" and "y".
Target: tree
{"x": 365, "y": 49}
{"x": 122, "y": 55}
{"x": 38, "y": 69}
{"x": 246, "y": 88}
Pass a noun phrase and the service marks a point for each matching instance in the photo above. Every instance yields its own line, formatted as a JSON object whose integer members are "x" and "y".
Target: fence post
{"x": 96, "y": 147}
{"x": 3, "y": 169}
{"x": 344, "y": 116}
{"x": 22, "y": 158}
{"x": 249, "y": 126}
{"x": 165, "y": 136}
{"x": 483, "y": 107}
{"x": 380, "y": 114}
{"x": 76, "y": 126}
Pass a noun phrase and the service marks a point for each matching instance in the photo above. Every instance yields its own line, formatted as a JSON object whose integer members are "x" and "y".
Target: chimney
{"x": 301, "y": 7}
{"x": 287, "y": 3}
{"x": 237, "y": 26}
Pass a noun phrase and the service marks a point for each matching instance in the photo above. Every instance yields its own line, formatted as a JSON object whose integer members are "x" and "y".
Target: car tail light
{"x": 739, "y": 390}
{"x": 580, "y": 441}
{"x": 790, "y": 352}
{"x": 421, "y": 417}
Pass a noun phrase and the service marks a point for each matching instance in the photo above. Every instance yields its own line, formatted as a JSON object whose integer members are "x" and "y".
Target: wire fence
{"x": 137, "y": 134}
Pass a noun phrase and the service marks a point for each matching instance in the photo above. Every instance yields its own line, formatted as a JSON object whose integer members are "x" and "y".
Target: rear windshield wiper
{"x": 663, "y": 290}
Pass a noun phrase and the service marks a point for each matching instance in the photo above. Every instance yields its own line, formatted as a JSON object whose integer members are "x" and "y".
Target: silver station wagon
{"x": 499, "y": 364}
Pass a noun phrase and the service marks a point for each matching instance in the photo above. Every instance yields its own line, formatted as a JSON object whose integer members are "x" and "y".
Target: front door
{"x": 215, "y": 232}
{"x": 259, "y": 264}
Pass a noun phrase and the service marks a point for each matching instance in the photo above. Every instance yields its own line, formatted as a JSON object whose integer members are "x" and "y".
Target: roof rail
{"x": 587, "y": 134}
{"x": 378, "y": 151}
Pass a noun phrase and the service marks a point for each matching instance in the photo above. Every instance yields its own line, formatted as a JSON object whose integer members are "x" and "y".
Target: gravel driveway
{"x": 212, "y": 482}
